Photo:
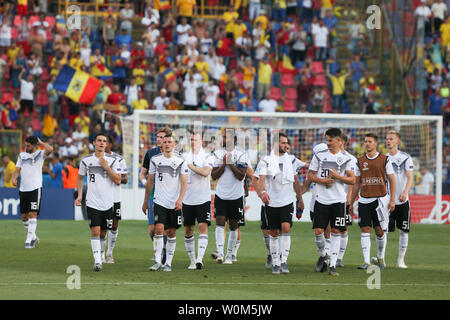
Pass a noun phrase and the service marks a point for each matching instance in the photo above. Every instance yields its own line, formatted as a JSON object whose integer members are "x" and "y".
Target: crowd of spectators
{"x": 258, "y": 55}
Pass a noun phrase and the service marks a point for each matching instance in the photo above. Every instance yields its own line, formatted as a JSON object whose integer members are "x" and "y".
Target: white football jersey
{"x": 167, "y": 173}
{"x": 122, "y": 169}
{"x": 198, "y": 189}
{"x": 322, "y": 163}
{"x": 354, "y": 164}
{"x": 30, "y": 165}
{"x": 281, "y": 194}
{"x": 228, "y": 186}
{"x": 401, "y": 162}
{"x": 318, "y": 147}
{"x": 100, "y": 187}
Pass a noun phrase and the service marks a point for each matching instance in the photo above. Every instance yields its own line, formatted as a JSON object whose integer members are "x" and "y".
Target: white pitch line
{"x": 217, "y": 283}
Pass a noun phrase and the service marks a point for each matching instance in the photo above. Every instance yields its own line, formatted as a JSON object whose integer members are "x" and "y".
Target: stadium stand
{"x": 161, "y": 44}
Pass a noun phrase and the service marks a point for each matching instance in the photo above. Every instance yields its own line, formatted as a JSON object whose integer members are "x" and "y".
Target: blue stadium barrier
{"x": 56, "y": 204}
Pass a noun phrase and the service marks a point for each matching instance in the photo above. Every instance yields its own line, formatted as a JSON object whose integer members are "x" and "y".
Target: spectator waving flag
{"x": 77, "y": 85}
{"x": 169, "y": 75}
{"x": 100, "y": 71}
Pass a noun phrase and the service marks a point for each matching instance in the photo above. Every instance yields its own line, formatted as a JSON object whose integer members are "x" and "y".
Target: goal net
{"x": 421, "y": 138}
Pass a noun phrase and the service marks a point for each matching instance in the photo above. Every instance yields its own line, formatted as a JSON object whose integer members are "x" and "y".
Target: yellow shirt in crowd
{"x": 265, "y": 73}
{"x": 186, "y": 7}
{"x": 10, "y": 168}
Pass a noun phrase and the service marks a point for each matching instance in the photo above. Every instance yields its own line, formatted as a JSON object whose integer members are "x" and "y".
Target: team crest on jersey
{"x": 365, "y": 166}
{"x": 339, "y": 161}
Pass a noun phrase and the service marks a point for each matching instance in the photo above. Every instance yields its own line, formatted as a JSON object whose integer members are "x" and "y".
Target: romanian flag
{"x": 169, "y": 75}
{"x": 242, "y": 97}
{"x": 164, "y": 4}
{"x": 61, "y": 23}
{"x": 77, "y": 85}
{"x": 287, "y": 64}
{"x": 100, "y": 71}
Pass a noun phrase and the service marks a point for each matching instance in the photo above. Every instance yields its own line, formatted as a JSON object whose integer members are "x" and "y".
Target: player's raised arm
{"x": 115, "y": 177}
{"x": 47, "y": 148}
{"x": 349, "y": 177}
{"x": 217, "y": 172}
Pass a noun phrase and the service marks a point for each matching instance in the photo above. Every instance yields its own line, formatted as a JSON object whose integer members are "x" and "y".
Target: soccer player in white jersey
{"x": 29, "y": 166}
{"x": 102, "y": 171}
{"x": 331, "y": 170}
{"x": 403, "y": 170}
{"x": 114, "y": 232}
{"x": 348, "y": 217}
{"x": 168, "y": 174}
{"x": 376, "y": 198}
{"x": 276, "y": 174}
{"x": 230, "y": 167}
{"x": 197, "y": 200}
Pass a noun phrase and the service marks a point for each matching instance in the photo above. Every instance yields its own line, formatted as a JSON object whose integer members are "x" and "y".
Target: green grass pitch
{"x": 40, "y": 273}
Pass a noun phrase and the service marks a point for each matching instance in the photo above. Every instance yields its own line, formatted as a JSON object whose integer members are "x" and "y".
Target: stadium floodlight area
{"x": 421, "y": 138}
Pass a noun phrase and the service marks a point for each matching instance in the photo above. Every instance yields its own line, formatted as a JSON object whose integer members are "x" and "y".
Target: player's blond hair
{"x": 166, "y": 130}
{"x": 395, "y": 132}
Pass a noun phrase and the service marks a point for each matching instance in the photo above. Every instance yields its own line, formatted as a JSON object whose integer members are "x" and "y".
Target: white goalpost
{"x": 421, "y": 137}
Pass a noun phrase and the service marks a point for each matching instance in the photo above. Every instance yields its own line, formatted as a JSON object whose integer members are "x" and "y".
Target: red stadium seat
{"x": 45, "y": 76}
{"x": 317, "y": 67}
{"x": 42, "y": 99}
{"x": 7, "y": 97}
{"x": 240, "y": 77}
{"x": 51, "y": 21}
{"x": 17, "y": 20}
{"x": 320, "y": 80}
{"x": 287, "y": 80}
{"x": 32, "y": 20}
{"x": 289, "y": 106}
{"x": 14, "y": 33}
{"x": 291, "y": 94}
{"x": 220, "y": 105}
{"x": 275, "y": 93}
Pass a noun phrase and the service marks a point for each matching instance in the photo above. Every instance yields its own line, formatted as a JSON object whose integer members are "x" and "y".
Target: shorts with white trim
{"x": 334, "y": 214}
{"x": 401, "y": 217}
{"x": 30, "y": 201}
{"x": 368, "y": 216}
{"x": 276, "y": 216}
{"x": 230, "y": 209}
{"x": 170, "y": 218}
{"x": 201, "y": 213}
{"x": 117, "y": 211}
{"x": 99, "y": 218}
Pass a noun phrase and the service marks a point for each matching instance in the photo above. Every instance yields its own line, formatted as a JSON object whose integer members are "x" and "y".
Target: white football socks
{"x": 158, "y": 244}
{"x": 402, "y": 245}
{"x": 96, "y": 249}
{"x": 220, "y": 239}
{"x": 343, "y": 246}
{"x": 112, "y": 238}
{"x": 32, "y": 225}
{"x": 381, "y": 246}
{"x": 190, "y": 247}
{"x": 202, "y": 245}
{"x": 335, "y": 243}
{"x": 275, "y": 251}
{"x": 365, "y": 246}
{"x": 285, "y": 246}
{"x": 170, "y": 247}
{"x": 320, "y": 244}
{"x": 232, "y": 238}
